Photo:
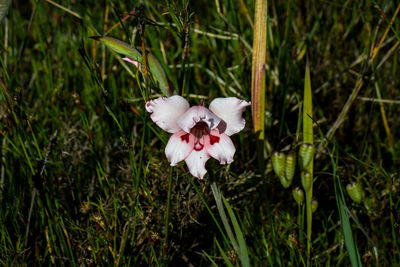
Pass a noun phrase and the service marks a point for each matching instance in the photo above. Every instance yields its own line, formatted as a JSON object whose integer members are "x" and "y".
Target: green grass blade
{"x": 349, "y": 241}
{"x": 308, "y": 138}
{"x": 210, "y": 259}
{"x": 307, "y": 109}
{"x": 226, "y": 259}
{"x": 243, "y": 251}
{"x": 222, "y": 214}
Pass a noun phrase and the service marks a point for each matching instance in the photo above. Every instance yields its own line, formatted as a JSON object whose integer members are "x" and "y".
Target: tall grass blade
{"x": 308, "y": 138}
{"x": 212, "y": 261}
{"x": 224, "y": 256}
{"x": 224, "y": 218}
{"x": 258, "y": 75}
{"x": 236, "y": 240}
{"x": 244, "y": 255}
{"x": 349, "y": 241}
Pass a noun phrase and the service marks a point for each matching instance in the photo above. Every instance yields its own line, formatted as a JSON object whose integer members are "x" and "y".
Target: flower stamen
{"x": 201, "y": 128}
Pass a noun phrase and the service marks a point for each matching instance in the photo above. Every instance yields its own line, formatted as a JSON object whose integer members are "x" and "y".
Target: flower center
{"x": 201, "y": 128}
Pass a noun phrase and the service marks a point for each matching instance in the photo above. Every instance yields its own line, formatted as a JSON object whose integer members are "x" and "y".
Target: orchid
{"x": 198, "y": 132}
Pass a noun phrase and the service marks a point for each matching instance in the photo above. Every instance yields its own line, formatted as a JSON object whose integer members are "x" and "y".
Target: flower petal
{"x": 230, "y": 110}
{"x": 219, "y": 146}
{"x": 134, "y": 62}
{"x": 196, "y": 114}
{"x": 166, "y": 111}
{"x": 197, "y": 162}
{"x": 179, "y": 146}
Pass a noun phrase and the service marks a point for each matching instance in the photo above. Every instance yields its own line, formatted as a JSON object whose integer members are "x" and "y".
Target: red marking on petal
{"x": 198, "y": 146}
{"x": 214, "y": 139}
{"x": 185, "y": 137}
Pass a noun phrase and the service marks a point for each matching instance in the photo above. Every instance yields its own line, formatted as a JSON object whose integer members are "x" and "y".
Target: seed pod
{"x": 355, "y": 192}
{"x": 314, "y": 205}
{"x": 306, "y": 180}
{"x": 298, "y": 195}
{"x": 278, "y": 163}
{"x": 290, "y": 165}
{"x": 285, "y": 182}
{"x": 306, "y": 153}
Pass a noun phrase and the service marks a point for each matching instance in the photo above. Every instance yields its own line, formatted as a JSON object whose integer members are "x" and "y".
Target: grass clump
{"x": 83, "y": 175}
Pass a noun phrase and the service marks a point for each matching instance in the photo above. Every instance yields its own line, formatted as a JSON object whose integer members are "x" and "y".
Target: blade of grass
{"x": 224, "y": 256}
{"x": 349, "y": 241}
{"x": 222, "y": 215}
{"x": 244, "y": 255}
{"x": 308, "y": 138}
{"x": 237, "y": 240}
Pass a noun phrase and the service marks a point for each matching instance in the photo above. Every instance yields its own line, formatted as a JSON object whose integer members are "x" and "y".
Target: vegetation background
{"x": 83, "y": 175}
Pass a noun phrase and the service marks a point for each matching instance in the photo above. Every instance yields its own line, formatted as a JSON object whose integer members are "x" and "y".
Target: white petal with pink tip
{"x": 179, "y": 146}
{"x": 220, "y": 147}
{"x": 196, "y": 163}
{"x": 197, "y": 114}
{"x": 132, "y": 61}
{"x": 230, "y": 110}
{"x": 165, "y": 111}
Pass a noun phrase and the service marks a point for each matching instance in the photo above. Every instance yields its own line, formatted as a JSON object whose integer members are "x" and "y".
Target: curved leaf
{"x": 154, "y": 65}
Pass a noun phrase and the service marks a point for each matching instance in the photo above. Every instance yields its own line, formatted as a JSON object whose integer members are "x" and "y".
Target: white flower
{"x": 198, "y": 132}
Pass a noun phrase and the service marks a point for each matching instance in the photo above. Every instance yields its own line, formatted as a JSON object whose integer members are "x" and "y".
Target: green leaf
{"x": 236, "y": 240}
{"x": 307, "y": 109}
{"x": 309, "y": 139}
{"x": 349, "y": 241}
{"x": 159, "y": 74}
{"x": 226, "y": 259}
{"x": 243, "y": 253}
{"x": 120, "y": 47}
{"x": 222, "y": 214}
{"x": 154, "y": 65}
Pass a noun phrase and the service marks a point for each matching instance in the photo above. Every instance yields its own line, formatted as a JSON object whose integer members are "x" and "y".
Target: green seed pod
{"x": 314, "y": 205}
{"x": 290, "y": 165}
{"x": 278, "y": 163}
{"x": 306, "y": 180}
{"x": 285, "y": 182}
{"x": 298, "y": 195}
{"x": 355, "y": 192}
{"x": 306, "y": 153}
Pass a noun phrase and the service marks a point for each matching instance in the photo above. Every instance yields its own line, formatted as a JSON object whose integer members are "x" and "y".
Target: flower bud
{"x": 290, "y": 165}
{"x": 306, "y": 180}
{"x": 306, "y": 153}
{"x": 314, "y": 205}
{"x": 298, "y": 195}
{"x": 355, "y": 192}
{"x": 278, "y": 163}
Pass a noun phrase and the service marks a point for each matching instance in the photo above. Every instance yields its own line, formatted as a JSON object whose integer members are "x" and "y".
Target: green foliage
{"x": 350, "y": 243}
{"x": 84, "y": 180}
